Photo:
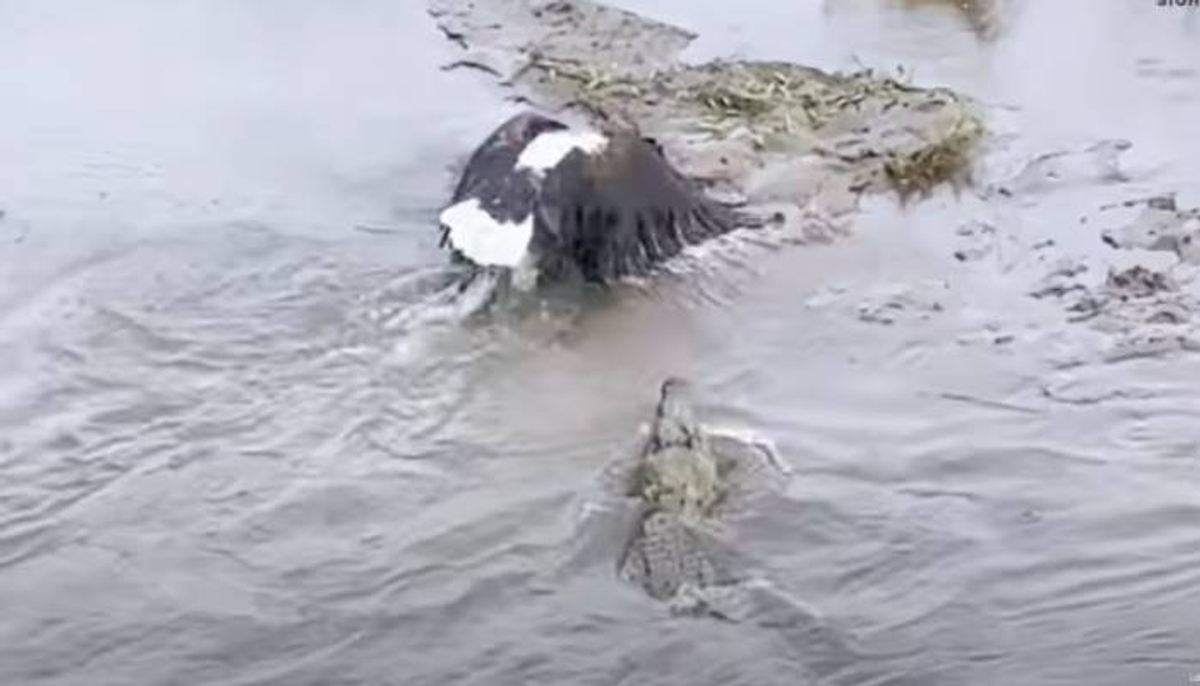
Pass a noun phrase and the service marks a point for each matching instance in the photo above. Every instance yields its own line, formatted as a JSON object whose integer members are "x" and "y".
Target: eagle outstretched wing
{"x": 622, "y": 210}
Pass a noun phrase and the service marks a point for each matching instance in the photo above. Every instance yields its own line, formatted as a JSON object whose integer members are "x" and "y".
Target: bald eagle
{"x": 541, "y": 198}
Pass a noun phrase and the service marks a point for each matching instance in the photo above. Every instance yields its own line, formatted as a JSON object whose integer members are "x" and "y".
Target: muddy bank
{"x": 803, "y": 145}
{"x": 793, "y": 142}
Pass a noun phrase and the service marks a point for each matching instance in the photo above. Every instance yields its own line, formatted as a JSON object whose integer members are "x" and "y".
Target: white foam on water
{"x": 765, "y": 446}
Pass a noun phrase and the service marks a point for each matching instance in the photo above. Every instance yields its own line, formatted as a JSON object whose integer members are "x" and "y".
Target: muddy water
{"x": 243, "y": 442}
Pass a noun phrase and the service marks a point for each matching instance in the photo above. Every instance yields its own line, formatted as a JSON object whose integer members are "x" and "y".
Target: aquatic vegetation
{"x": 779, "y": 101}
{"x": 944, "y": 159}
{"x": 589, "y": 77}
{"x": 786, "y": 107}
{"x": 782, "y": 96}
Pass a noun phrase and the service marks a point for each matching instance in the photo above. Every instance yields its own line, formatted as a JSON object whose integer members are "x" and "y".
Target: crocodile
{"x": 683, "y": 480}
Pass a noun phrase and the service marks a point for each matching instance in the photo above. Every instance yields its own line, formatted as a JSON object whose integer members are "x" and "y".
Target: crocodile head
{"x": 674, "y": 420}
{"x": 677, "y": 473}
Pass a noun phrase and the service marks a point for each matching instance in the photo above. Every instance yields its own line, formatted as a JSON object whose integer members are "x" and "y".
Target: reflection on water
{"x": 983, "y": 17}
{"x": 246, "y": 437}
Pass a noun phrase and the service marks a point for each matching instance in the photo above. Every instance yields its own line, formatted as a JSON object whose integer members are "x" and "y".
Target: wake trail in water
{"x": 716, "y": 272}
{"x": 431, "y": 297}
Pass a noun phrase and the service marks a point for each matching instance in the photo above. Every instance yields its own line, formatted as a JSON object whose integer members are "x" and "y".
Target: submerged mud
{"x": 1150, "y": 306}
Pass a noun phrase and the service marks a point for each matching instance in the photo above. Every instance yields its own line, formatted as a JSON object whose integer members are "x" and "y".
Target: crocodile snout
{"x": 673, "y": 386}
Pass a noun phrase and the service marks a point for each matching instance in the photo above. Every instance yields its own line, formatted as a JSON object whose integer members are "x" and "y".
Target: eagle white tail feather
{"x": 482, "y": 239}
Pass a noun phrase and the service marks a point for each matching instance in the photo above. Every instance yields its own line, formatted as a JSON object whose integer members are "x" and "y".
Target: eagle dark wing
{"x": 623, "y": 210}
{"x": 489, "y": 177}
